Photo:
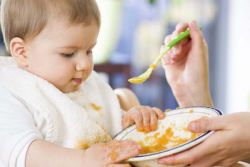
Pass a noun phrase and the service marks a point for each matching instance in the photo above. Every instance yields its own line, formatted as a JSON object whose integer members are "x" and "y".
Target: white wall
{"x": 238, "y": 68}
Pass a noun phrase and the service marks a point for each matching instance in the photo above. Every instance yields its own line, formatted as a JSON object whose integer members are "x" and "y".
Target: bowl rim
{"x": 176, "y": 149}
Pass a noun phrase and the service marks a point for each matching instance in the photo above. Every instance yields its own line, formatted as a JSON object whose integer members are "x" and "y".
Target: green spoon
{"x": 144, "y": 76}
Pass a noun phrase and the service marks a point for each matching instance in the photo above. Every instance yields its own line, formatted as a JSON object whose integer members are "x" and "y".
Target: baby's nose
{"x": 83, "y": 64}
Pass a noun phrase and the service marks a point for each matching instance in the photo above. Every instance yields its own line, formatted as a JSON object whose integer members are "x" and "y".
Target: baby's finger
{"x": 122, "y": 150}
{"x": 159, "y": 113}
{"x": 153, "y": 121}
{"x": 138, "y": 119}
{"x": 127, "y": 121}
{"x": 146, "y": 118}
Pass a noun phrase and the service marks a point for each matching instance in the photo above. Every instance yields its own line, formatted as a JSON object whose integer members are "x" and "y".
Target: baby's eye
{"x": 68, "y": 55}
{"x": 89, "y": 52}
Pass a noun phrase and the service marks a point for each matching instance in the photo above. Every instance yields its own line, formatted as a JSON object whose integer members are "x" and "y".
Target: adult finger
{"x": 167, "y": 58}
{"x": 180, "y": 51}
{"x": 206, "y": 124}
{"x": 194, "y": 154}
{"x": 167, "y": 40}
{"x": 180, "y": 28}
{"x": 196, "y": 35}
{"x": 183, "y": 52}
{"x": 176, "y": 53}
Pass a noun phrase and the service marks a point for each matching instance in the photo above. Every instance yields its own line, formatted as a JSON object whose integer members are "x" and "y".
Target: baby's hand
{"x": 110, "y": 154}
{"x": 144, "y": 117}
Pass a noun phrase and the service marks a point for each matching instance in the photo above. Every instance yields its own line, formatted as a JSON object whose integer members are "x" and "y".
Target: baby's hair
{"x": 27, "y": 18}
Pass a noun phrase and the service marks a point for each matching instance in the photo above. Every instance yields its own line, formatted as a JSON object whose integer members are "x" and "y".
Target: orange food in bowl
{"x": 167, "y": 140}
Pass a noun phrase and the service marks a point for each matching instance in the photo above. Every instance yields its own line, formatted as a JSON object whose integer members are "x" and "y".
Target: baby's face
{"x": 62, "y": 53}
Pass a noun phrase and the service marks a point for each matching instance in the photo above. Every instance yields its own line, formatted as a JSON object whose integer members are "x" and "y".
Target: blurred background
{"x": 133, "y": 31}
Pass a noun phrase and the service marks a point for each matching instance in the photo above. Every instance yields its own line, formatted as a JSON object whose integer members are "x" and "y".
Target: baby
{"x": 54, "y": 108}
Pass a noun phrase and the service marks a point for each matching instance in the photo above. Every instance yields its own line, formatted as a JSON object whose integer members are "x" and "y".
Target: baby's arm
{"x": 127, "y": 98}
{"x": 21, "y": 144}
{"x": 186, "y": 68}
{"x": 42, "y": 153}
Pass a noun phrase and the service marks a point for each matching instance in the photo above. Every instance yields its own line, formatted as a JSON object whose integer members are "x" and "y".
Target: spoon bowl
{"x": 144, "y": 76}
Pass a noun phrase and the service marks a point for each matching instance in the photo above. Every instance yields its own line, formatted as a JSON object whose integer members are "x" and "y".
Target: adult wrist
{"x": 187, "y": 97}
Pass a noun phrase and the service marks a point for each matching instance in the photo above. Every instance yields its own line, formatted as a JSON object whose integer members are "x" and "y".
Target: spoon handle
{"x": 178, "y": 38}
{"x": 175, "y": 41}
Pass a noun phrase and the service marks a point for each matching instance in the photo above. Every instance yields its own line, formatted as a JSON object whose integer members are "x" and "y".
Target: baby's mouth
{"x": 77, "y": 80}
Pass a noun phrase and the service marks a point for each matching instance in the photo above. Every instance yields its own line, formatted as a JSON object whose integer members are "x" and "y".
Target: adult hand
{"x": 186, "y": 67}
{"x": 229, "y": 144}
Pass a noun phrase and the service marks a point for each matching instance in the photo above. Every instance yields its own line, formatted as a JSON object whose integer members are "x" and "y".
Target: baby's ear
{"x": 17, "y": 50}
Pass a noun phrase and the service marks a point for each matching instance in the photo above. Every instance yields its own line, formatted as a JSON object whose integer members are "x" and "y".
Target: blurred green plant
{"x": 152, "y": 1}
{"x": 173, "y": 1}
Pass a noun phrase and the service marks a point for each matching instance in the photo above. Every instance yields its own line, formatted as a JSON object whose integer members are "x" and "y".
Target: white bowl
{"x": 176, "y": 122}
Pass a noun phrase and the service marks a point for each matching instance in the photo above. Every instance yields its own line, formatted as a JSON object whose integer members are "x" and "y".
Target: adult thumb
{"x": 206, "y": 124}
{"x": 196, "y": 35}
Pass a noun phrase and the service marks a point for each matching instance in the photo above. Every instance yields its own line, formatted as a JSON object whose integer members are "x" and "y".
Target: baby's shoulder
{"x": 8, "y": 100}
{"x": 7, "y": 61}
{"x": 5, "y": 93}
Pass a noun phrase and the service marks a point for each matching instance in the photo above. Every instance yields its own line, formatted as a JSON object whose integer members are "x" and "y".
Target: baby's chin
{"x": 71, "y": 88}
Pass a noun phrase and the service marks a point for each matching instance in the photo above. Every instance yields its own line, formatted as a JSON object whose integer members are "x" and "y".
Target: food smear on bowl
{"x": 169, "y": 139}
